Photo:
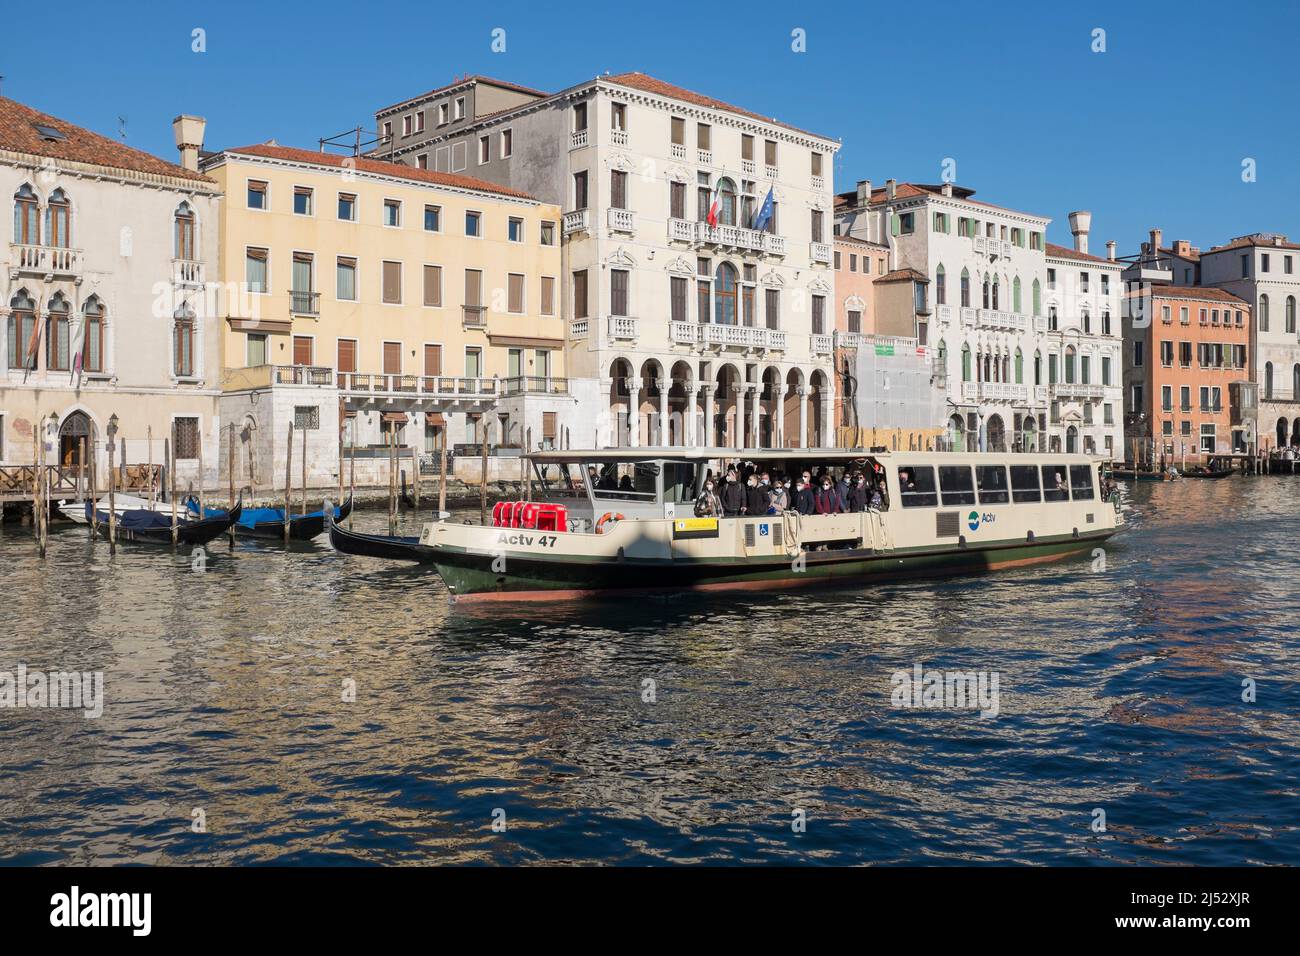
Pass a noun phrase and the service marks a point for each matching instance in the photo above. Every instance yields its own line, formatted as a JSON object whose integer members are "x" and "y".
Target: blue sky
{"x": 1153, "y": 131}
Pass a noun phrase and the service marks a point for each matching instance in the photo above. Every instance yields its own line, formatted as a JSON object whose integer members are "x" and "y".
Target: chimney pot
{"x": 890, "y": 188}
{"x": 188, "y": 131}
{"x": 1110, "y": 250}
{"x": 946, "y": 189}
{"x": 1080, "y": 223}
{"x": 864, "y": 191}
{"x": 1156, "y": 238}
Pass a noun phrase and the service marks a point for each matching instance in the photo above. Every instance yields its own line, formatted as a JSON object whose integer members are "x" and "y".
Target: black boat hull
{"x": 379, "y": 545}
{"x": 187, "y": 532}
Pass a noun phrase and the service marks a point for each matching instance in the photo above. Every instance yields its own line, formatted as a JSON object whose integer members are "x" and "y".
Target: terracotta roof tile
{"x": 18, "y": 133}
{"x": 1260, "y": 240}
{"x": 1204, "y": 293}
{"x": 379, "y": 167}
{"x": 1066, "y": 252}
{"x": 649, "y": 84}
{"x": 911, "y": 190}
{"x": 898, "y": 275}
{"x": 855, "y": 241}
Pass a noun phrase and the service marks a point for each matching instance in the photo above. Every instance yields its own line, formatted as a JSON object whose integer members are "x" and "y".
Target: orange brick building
{"x": 1178, "y": 369}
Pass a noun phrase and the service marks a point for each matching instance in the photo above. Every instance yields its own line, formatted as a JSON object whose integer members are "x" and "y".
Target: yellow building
{"x": 400, "y": 298}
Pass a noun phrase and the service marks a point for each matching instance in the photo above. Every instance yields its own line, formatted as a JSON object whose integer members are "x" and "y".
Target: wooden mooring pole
{"x": 392, "y": 479}
{"x": 112, "y": 501}
{"x": 482, "y": 488}
{"x": 442, "y": 468}
{"x": 288, "y": 484}
{"x": 169, "y": 452}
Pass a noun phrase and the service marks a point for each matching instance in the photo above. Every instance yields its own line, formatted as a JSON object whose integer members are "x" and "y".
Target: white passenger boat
{"x": 76, "y": 510}
{"x": 622, "y": 520}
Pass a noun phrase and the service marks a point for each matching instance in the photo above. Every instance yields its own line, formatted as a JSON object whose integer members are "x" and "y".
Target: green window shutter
{"x": 893, "y": 224}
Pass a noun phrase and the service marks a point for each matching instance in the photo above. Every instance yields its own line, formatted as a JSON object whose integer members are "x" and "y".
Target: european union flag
{"x": 764, "y": 212}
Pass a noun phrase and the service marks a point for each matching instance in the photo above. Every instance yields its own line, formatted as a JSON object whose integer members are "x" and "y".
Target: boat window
{"x": 624, "y": 480}
{"x": 956, "y": 484}
{"x": 916, "y": 486}
{"x": 992, "y": 483}
{"x": 679, "y": 481}
{"x": 1054, "y": 485}
{"x": 1024, "y": 483}
{"x": 558, "y": 481}
{"x": 1081, "y": 482}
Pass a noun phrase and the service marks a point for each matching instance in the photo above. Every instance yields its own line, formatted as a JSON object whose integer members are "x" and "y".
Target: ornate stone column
{"x": 708, "y": 414}
{"x": 688, "y": 416}
{"x": 663, "y": 411}
{"x": 803, "y": 416}
{"x": 754, "y": 416}
{"x": 741, "y": 391}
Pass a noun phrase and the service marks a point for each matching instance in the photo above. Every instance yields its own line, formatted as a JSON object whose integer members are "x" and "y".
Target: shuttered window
{"x": 433, "y": 286}
{"x": 393, "y": 282}
{"x": 392, "y": 358}
{"x": 473, "y": 287}
{"x": 548, "y": 295}
{"x": 433, "y": 360}
{"x": 772, "y": 307}
{"x": 618, "y": 291}
{"x": 255, "y": 269}
{"x": 515, "y": 290}
{"x": 345, "y": 286}
{"x": 580, "y": 294}
{"x": 347, "y": 355}
{"x": 302, "y": 350}
{"x": 678, "y": 298}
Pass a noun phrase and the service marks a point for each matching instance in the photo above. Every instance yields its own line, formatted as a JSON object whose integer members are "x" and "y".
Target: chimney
{"x": 946, "y": 189}
{"x": 1079, "y": 224}
{"x": 1156, "y": 237}
{"x": 189, "y": 139}
{"x": 864, "y": 192}
{"x": 1110, "y": 250}
{"x": 1182, "y": 247}
{"x": 890, "y": 189}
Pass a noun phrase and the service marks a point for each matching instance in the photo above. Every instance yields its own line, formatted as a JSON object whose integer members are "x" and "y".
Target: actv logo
{"x": 973, "y": 520}
{"x": 103, "y": 909}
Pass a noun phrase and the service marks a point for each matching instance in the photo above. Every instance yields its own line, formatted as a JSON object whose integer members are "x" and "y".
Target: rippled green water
{"x": 1120, "y": 690}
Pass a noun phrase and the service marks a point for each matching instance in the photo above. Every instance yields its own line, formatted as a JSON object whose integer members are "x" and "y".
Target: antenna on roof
{"x": 121, "y": 127}
{"x": 2, "y": 84}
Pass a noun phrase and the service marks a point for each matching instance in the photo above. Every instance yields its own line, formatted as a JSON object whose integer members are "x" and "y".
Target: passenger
{"x": 828, "y": 499}
{"x": 857, "y": 495}
{"x": 607, "y": 481}
{"x": 805, "y": 502}
{"x": 905, "y": 481}
{"x": 593, "y": 479}
{"x": 778, "y": 499}
{"x": 755, "y": 498}
{"x": 625, "y": 483}
{"x": 708, "y": 504}
{"x": 1060, "y": 482}
{"x": 877, "y": 501}
{"x": 733, "y": 496}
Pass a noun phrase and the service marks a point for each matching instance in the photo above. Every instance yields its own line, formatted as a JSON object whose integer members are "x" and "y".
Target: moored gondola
{"x": 155, "y": 527}
{"x": 268, "y": 523}
{"x": 391, "y": 547}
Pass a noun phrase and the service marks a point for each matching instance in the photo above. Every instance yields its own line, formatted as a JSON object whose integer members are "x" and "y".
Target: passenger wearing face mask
{"x": 733, "y": 495}
{"x": 755, "y": 498}
{"x": 708, "y": 504}
{"x": 778, "y": 499}
{"x": 828, "y": 499}
{"x": 805, "y": 502}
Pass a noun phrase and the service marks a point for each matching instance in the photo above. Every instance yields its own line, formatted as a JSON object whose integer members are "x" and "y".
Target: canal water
{"x": 701, "y": 729}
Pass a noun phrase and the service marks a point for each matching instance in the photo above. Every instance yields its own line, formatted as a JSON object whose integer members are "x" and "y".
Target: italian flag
{"x": 715, "y": 207}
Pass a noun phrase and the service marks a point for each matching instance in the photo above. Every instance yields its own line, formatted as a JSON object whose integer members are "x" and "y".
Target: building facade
{"x": 699, "y": 290}
{"x": 103, "y": 314}
{"x": 1180, "y": 369}
{"x": 403, "y": 300}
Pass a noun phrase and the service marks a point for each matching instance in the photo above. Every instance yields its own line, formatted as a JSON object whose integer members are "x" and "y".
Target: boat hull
{"x": 471, "y": 576}
{"x": 379, "y": 546}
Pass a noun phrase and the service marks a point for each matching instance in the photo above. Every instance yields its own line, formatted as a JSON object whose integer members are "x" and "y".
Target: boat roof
{"x": 678, "y": 453}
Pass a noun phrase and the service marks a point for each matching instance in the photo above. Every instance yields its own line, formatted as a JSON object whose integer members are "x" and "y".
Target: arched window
{"x": 183, "y": 342}
{"x": 726, "y": 202}
{"x": 965, "y": 289}
{"x": 1295, "y": 381}
{"x": 1268, "y": 380}
{"x": 1015, "y": 295}
{"x": 965, "y": 363}
{"x": 996, "y": 297}
{"x": 986, "y": 293}
{"x": 1038, "y": 298}
{"x": 1069, "y": 365}
{"x": 940, "y": 286}
{"x": 724, "y": 295}
{"x": 58, "y": 221}
{"x": 1086, "y": 320}
{"x": 184, "y": 233}
{"x": 1038, "y": 367}
{"x": 21, "y": 329}
{"x": 1105, "y": 322}
{"x": 1020, "y": 367}
{"x": 942, "y": 358}
{"x": 1263, "y": 313}
{"x": 1290, "y": 313}
{"x": 27, "y": 212}
{"x": 91, "y": 357}
{"x": 58, "y": 333}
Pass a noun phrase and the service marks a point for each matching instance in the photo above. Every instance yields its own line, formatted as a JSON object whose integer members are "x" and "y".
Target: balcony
{"x": 187, "y": 273}
{"x": 771, "y": 172}
{"x": 579, "y": 329}
{"x": 820, "y": 252}
{"x": 1075, "y": 390}
{"x": 621, "y": 328}
{"x": 747, "y": 167}
{"x": 577, "y": 221}
{"x": 776, "y": 340}
{"x": 967, "y": 316}
{"x": 358, "y": 385}
{"x": 1040, "y": 395}
{"x": 534, "y": 385}
{"x": 620, "y": 220}
{"x": 731, "y": 237}
{"x": 989, "y": 246}
{"x": 1003, "y": 392}
{"x": 818, "y": 183}
{"x": 1040, "y": 323}
{"x": 316, "y": 375}
{"x": 822, "y": 344}
{"x": 704, "y": 157}
{"x": 304, "y": 303}
{"x": 944, "y": 313}
{"x": 473, "y": 316}
{"x": 677, "y": 151}
{"x": 995, "y": 319}
{"x": 578, "y": 139}
{"x": 681, "y": 230}
{"x": 773, "y": 245}
{"x": 618, "y": 137}
{"x": 683, "y": 333}
{"x": 51, "y": 261}
{"x": 713, "y": 335}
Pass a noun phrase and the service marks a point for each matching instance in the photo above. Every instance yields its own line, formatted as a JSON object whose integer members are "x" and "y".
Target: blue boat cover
{"x": 135, "y": 520}
{"x": 252, "y": 517}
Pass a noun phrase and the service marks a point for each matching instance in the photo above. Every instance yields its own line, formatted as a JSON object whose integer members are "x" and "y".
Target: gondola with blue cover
{"x": 268, "y": 523}
{"x": 155, "y": 527}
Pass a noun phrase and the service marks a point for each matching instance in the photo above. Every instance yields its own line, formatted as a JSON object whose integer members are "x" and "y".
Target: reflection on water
{"x": 1120, "y": 690}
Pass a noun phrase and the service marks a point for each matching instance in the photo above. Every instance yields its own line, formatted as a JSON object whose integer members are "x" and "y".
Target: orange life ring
{"x": 607, "y": 516}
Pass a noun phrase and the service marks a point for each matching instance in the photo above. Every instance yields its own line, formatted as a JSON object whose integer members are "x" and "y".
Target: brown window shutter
{"x": 433, "y": 285}
{"x": 347, "y": 355}
{"x": 392, "y": 358}
{"x": 433, "y": 360}
{"x": 548, "y": 425}
{"x": 393, "y": 282}
{"x": 301, "y": 350}
{"x": 580, "y": 294}
{"x": 473, "y": 287}
{"x": 516, "y": 293}
{"x": 548, "y": 295}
